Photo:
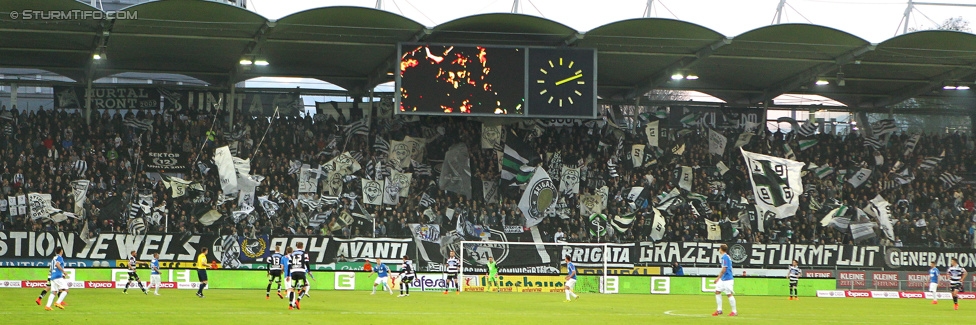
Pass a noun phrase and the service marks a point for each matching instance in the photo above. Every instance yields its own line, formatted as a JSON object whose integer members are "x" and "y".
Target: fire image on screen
{"x": 462, "y": 80}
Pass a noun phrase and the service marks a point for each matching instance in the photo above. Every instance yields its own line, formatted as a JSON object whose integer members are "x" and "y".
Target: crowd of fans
{"x": 41, "y": 149}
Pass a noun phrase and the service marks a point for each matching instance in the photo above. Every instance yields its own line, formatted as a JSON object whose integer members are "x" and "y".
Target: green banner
{"x": 743, "y": 286}
{"x": 349, "y": 280}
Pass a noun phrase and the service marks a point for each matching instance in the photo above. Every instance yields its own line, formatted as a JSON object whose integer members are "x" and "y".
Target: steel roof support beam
{"x": 907, "y": 92}
{"x": 805, "y": 76}
{"x": 660, "y": 77}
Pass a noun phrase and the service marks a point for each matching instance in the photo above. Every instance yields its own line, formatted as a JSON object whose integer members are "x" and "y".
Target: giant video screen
{"x": 461, "y": 80}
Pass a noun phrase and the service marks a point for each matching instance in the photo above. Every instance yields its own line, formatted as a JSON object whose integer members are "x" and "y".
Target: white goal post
{"x": 550, "y": 259}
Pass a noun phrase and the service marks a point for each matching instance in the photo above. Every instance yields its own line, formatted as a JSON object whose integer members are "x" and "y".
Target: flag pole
{"x": 273, "y": 118}
{"x": 212, "y": 124}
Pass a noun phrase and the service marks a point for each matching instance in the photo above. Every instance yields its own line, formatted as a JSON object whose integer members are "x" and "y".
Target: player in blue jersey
{"x": 382, "y": 277}
{"x": 59, "y": 286}
{"x": 934, "y": 282}
{"x": 274, "y": 272}
{"x": 286, "y": 270}
{"x": 570, "y": 280}
{"x": 724, "y": 282}
{"x": 154, "y": 277}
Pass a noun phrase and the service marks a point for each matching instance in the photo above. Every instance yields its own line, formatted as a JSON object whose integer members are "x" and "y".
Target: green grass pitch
{"x": 238, "y": 307}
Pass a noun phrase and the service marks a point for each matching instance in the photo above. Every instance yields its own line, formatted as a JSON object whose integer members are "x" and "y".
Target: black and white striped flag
{"x": 137, "y": 226}
{"x": 884, "y": 127}
{"x": 427, "y": 201}
{"x": 612, "y": 168}
{"x": 931, "y": 162}
{"x": 422, "y": 169}
{"x": 807, "y": 129}
{"x": 910, "y": 144}
{"x": 950, "y": 180}
{"x": 137, "y": 124}
{"x": 294, "y": 167}
{"x": 360, "y": 127}
{"x": 872, "y": 142}
{"x": 329, "y": 200}
{"x": 381, "y": 146}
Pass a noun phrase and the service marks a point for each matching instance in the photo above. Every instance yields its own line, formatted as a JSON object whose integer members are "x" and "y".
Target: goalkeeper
{"x": 492, "y": 278}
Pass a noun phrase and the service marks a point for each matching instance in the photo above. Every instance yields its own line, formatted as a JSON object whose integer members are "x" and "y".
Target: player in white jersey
{"x": 956, "y": 276}
{"x": 132, "y": 274}
{"x": 794, "y": 276}
{"x": 154, "y": 277}
{"x": 453, "y": 267}
{"x": 934, "y": 282}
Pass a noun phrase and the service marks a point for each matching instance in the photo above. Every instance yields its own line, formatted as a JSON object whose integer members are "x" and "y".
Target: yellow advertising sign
{"x": 517, "y": 283}
{"x": 637, "y": 270}
{"x": 162, "y": 264}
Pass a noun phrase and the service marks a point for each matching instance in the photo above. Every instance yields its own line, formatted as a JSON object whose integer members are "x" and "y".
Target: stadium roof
{"x": 355, "y": 48}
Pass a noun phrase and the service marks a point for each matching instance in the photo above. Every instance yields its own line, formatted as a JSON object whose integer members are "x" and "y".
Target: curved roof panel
{"x": 341, "y": 45}
{"x": 203, "y": 39}
{"x": 502, "y": 28}
{"x": 63, "y": 46}
{"x": 632, "y": 51}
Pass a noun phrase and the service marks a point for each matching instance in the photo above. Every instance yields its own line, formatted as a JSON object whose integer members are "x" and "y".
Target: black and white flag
{"x": 456, "y": 171}
{"x": 637, "y": 154}
{"x": 569, "y": 181}
{"x": 427, "y": 201}
{"x": 360, "y": 127}
{"x": 391, "y": 192}
{"x": 873, "y": 142}
{"x": 884, "y": 127}
{"x": 612, "y": 168}
{"x": 658, "y": 226}
{"x": 307, "y": 183}
{"x": 931, "y": 162}
{"x": 860, "y": 177}
{"x": 716, "y": 142}
{"x": 911, "y": 143}
{"x": 949, "y": 180}
{"x": 381, "y": 146}
{"x": 372, "y": 192}
{"x": 79, "y": 190}
{"x": 686, "y": 179}
{"x": 775, "y": 184}
{"x": 491, "y": 136}
{"x": 540, "y": 194}
{"x": 137, "y": 124}
{"x": 490, "y": 191}
{"x": 807, "y": 129}
{"x": 653, "y": 131}
{"x": 880, "y": 209}
{"x": 225, "y": 168}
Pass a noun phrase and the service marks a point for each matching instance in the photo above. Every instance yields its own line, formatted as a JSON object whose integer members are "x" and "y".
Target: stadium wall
{"x": 89, "y": 278}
